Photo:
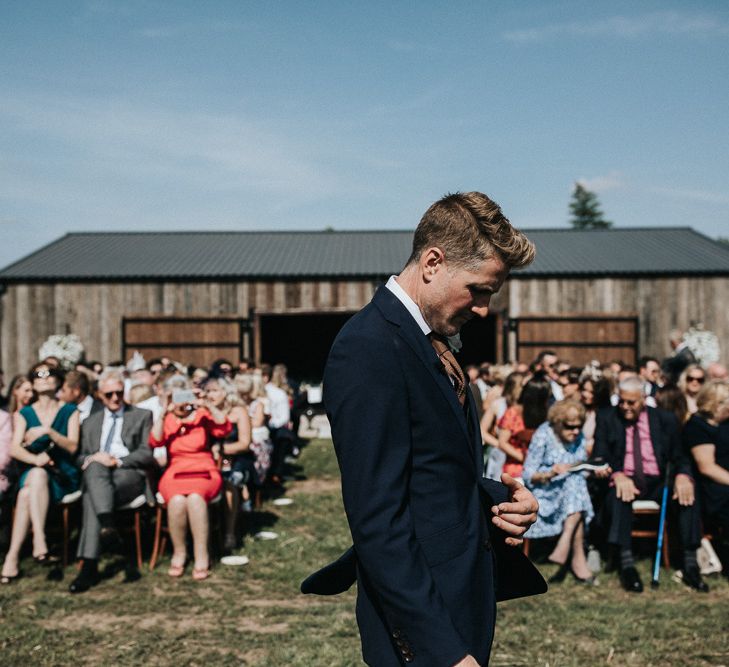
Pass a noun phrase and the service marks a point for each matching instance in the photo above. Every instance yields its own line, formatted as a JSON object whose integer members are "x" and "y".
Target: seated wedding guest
{"x": 565, "y": 508}
{"x": 707, "y": 437}
{"x": 45, "y": 440}
{"x": 520, "y": 421}
{"x": 138, "y": 393}
{"x": 509, "y": 397}
{"x": 594, "y": 395}
{"x": 76, "y": 389}
{"x": 6, "y": 436}
{"x": 237, "y": 466}
{"x": 199, "y": 377}
{"x": 569, "y": 379}
{"x": 279, "y": 393}
{"x": 670, "y": 397}
{"x": 690, "y": 383}
{"x": 717, "y": 371}
{"x": 251, "y": 391}
{"x": 20, "y": 393}
{"x": 649, "y": 369}
{"x": 114, "y": 457}
{"x": 221, "y": 368}
{"x": 191, "y": 480}
{"x": 638, "y": 442}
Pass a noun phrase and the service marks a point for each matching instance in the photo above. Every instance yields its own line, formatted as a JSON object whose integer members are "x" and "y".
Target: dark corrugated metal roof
{"x": 297, "y": 255}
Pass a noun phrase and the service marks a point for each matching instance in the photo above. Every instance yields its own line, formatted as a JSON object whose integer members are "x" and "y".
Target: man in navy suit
{"x": 433, "y": 540}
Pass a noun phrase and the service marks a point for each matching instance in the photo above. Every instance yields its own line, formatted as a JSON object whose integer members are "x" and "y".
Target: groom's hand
{"x": 514, "y": 518}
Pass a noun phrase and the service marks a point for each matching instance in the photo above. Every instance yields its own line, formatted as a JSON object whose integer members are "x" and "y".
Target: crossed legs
{"x": 31, "y": 509}
{"x": 571, "y": 541}
{"x": 189, "y": 510}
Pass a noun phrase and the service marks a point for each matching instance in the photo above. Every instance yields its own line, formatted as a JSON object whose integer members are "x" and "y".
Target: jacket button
{"x": 487, "y": 544}
{"x": 408, "y": 658}
{"x": 396, "y": 634}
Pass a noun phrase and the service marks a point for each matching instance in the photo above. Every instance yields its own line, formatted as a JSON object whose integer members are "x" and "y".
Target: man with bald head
{"x": 639, "y": 442}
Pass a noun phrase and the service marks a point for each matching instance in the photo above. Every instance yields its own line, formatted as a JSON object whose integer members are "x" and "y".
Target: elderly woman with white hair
{"x": 564, "y": 502}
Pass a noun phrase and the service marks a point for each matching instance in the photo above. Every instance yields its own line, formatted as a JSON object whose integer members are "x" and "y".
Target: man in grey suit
{"x": 114, "y": 457}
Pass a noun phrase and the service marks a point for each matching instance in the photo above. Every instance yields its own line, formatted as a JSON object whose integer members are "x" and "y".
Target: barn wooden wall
{"x": 661, "y": 304}
{"x": 30, "y": 313}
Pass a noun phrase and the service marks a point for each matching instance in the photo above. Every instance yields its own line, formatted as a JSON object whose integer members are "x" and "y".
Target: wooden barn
{"x": 282, "y": 296}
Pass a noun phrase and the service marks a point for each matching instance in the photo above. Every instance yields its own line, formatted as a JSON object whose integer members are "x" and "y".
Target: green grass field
{"x": 254, "y": 615}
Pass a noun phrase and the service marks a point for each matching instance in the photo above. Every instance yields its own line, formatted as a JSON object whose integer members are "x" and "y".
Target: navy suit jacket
{"x": 665, "y": 436}
{"x": 429, "y": 564}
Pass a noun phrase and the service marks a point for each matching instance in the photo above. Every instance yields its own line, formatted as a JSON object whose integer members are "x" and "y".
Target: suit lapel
{"x": 395, "y": 312}
{"x": 655, "y": 434}
{"x": 95, "y": 423}
{"x": 127, "y": 427}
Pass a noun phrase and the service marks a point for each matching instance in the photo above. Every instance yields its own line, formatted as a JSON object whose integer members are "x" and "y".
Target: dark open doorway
{"x": 302, "y": 342}
{"x": 479, "y": 341}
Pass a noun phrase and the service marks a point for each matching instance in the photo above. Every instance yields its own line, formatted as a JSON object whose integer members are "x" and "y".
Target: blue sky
{"x": 353, "y": 115}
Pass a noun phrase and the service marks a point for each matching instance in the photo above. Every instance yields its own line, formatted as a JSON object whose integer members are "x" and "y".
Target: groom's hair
{"x": 470, "y": 228}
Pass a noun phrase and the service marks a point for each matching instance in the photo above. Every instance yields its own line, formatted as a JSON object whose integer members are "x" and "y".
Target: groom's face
{"x": 455, "y": 295}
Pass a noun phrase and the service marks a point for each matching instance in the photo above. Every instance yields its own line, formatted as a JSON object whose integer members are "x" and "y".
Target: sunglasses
{"x": 41, "y": 375}
{"x": 700, "y": 380}
{"x": 571, "y": 427}
{"x": 111, "y": 394}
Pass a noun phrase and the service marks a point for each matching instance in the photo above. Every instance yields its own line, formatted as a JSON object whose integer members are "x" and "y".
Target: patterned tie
{"x": 110, "y": 435}
{"x": 440, "y": 345}
{"x": 638, "y": 475}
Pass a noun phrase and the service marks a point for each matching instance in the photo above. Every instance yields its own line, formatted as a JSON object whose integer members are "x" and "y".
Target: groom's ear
{"x": 431, "y": 262}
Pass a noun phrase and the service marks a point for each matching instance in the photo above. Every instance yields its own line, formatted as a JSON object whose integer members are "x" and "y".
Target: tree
{"x": 585, "y": 210}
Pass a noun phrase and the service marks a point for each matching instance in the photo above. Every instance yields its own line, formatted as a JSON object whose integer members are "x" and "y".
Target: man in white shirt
{"x": 76, "y": 389}
{"x": 114, "y": 456}
{"x": 279, "y": 409}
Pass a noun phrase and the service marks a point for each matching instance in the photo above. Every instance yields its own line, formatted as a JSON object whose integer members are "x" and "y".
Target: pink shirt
{"x": 650, "y": 465}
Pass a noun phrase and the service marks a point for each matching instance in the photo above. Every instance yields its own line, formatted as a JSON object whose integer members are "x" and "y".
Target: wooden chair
{"x": 161, "y": 531}
{"x": 66, "y": 503}
{"x": 649, "y": 508}
{"x": 136, "y": 506}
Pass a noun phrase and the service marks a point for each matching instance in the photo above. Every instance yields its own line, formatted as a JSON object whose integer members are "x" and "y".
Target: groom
{"x": 430, "y": 534}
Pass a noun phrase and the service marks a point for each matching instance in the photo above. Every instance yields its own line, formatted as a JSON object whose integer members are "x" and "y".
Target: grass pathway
{"x": 254, "y": 615}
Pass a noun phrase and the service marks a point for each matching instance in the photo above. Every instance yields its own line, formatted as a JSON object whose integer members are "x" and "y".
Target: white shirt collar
{"x": 454, "y": 342}
{"x": 119, "y": 412}
{"x": 406, "y": 301}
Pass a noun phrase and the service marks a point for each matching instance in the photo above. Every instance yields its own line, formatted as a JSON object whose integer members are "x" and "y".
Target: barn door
{"x": 578, "y": 338}
{"x": 196, "y": 341}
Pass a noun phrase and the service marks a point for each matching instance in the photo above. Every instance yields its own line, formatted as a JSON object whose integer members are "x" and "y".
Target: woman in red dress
{"x": 191, "y": 480}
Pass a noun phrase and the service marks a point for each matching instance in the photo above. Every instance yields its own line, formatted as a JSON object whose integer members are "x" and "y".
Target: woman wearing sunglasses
{"x": 45, "y": 439}
{"x": 690, "y": 383}
{"x": 564, "y": 502}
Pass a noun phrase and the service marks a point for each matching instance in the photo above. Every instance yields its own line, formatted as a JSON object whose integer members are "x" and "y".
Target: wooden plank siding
{"x": 29, "y": 313}
{"x": 94, "y": 311}
{"x": 660, "y": 303}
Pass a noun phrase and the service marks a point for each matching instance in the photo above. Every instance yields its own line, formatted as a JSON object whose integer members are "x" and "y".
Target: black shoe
{"x": 109, "y": 538}
{"x": 559, "y": 575}
{"x": 630, "y": 579}
{"x": 587, "y": 581}
{"x": 55, "y": 574}
{"x": 692, "y": 578}
{"x": 83, "y": 582}
{"x": 131, "y": 574}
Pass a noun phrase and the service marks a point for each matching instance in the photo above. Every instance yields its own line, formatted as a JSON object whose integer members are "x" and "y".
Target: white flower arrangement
{"x": 703, "y": 343}
{"x": 68, "y": 349}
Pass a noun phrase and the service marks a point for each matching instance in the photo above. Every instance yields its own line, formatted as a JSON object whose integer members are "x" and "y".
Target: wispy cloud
{"x": 181, "y": 29}
{"x": 613, "y": 180}
{"x": 135, "y": 143}
{"x": 701, "y": 196}
{"x": 626, "y": 27}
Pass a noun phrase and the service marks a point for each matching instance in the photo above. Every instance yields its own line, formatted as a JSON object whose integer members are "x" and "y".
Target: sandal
{"x": 7, "y": 579}
{"x": 201, "y": 574}
{"x": 176, "y": 571}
